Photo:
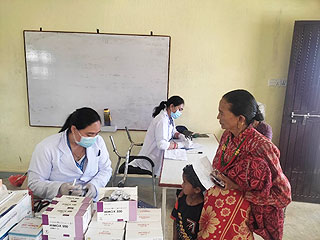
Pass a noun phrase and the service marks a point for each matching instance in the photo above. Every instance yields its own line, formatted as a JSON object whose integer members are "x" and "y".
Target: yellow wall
{"x": 217, "y": 45}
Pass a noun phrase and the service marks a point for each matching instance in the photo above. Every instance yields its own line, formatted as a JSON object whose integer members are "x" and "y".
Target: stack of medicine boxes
{"x": 14, "y": 206}
{"x": 118, "y": 217}
{"x": 67, "y": 217}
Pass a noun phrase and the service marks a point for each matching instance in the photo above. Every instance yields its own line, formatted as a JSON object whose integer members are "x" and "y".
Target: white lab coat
{"x": 157, "y": 140}
{"x": 52, "y": 164}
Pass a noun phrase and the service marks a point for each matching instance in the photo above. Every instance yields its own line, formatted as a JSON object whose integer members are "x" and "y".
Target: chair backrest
{"x": 115, "y": 147}
{"x": 128, "y": 158}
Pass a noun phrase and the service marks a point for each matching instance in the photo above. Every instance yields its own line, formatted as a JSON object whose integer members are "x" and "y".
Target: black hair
{"x": 81, "y": 118}
{"x": 175, "y": 100}
{"x": 192, "y": 177}
{"x": 243, "y": 103}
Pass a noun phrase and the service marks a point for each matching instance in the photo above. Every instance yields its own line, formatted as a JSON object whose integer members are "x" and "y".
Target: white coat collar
{"x": 91, "y": 152}
{"x": 165, "y": 114}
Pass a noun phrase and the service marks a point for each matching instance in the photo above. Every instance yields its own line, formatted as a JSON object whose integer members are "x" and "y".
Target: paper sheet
{"x": 176, "y": 154}
{"x": 203, "y": 169}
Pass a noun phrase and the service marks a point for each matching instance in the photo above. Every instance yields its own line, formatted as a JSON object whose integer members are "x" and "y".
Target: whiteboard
{"x": 128, "y": 74}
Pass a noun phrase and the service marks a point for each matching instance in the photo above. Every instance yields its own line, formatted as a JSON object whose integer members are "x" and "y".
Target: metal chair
{"x": 128, "y": 159}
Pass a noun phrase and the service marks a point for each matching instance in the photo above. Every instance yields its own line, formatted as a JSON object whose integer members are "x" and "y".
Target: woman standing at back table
{"x": 76, "y": 153}
{"x": 159, "y": 137}
{"x": 255, "y": 189}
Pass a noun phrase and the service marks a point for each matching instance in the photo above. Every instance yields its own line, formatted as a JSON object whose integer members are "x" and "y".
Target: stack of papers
{"x": 176, "y": 154}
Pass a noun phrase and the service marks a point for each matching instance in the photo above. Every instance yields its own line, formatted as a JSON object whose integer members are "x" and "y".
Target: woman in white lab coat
{"x": 73, "y": 162}
{"x": 159, "y": 137}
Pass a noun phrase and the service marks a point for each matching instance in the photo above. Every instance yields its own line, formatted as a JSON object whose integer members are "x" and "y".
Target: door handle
{"x": 305, "y": 117}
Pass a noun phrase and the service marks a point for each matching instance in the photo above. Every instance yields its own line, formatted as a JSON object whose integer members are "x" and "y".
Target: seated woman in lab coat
{"x": 73, "y": 162}
{"x": 159, "y": 137}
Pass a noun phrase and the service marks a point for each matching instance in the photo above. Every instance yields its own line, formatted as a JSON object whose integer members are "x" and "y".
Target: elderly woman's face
{"x": 227, "y": 119}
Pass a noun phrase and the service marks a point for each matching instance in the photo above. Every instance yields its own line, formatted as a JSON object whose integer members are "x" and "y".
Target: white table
{"x": 171, "y": 171}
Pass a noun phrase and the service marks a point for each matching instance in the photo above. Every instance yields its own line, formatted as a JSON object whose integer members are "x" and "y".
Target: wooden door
{"x": 300, "y": 130}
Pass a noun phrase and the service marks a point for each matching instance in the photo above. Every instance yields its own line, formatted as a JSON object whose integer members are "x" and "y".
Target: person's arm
{"x": 228, "y": 183}
{"x": 176, "y": 135}
{"x": 39, "y": 173}
{"x": 162, "y": 134}
{"x": 174, "y": 215}
{"x": 104, "y": 171}
{"x": 252, "y": 175}
{"x": 280, "y": 189}
{"x": 174, "y": 231}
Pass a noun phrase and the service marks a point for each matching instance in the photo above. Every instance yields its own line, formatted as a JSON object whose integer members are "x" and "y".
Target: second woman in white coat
{"x": 159, "y": 137}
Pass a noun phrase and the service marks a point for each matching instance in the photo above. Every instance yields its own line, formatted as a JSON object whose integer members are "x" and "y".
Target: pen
{"x": 73, "y": 184}
{"x": 195, "y": 152}
{"x": 7, "y": 210}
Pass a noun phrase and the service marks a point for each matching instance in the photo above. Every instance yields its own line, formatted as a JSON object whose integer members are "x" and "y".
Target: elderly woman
{"x": 254, "y": 189}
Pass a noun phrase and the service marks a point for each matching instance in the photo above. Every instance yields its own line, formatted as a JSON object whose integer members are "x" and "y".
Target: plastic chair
{"x": 128, "y": 159}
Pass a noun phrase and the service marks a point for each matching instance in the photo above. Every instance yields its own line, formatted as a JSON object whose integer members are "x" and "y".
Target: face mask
{"x": 86, "y": 141}
{"x": 176, "y": 114}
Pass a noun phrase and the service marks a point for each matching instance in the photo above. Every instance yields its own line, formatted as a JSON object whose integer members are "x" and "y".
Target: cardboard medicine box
{"x": 27, "y": 229}
{"x": 66, "y": 221}
{"x": 104, "y": 234}
{"x": 14, "y": 208}
{"x": 106, "y": 225}
{"x": 149, "y": 215}
{"x": 144, "y": 234}
{"x": 117, "y": 204}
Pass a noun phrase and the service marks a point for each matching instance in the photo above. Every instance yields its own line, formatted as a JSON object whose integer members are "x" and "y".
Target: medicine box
{"x": 13, "y": 209}
{"x": 66, "y": 221}
{"x": 104, "y": 234}
{"x": 149, "y": 215}
{"x": 27, "y": 229}
{"x": 106, "y": 225}
{"x": 117, "y": 204}
{"x": 143, "y": 225}
{"x": 85, "y": 203}
{"x": 72, "y": 199}
{"x": 144, "y": 234}
{"x": 144, "y": 230}
{"x": 53, "y": 237}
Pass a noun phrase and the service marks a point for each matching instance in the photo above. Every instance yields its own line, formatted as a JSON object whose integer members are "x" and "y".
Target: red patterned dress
{"x": 251, "y": 161}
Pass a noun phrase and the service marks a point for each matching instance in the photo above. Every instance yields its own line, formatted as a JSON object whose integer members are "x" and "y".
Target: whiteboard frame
{"x": 94, "y": 33}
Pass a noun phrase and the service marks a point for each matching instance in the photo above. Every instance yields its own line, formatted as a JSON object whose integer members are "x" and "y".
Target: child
{"x": 187, "y": 210}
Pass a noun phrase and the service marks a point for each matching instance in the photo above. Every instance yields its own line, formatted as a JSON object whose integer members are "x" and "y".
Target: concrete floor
{"x": 302, "y": 219}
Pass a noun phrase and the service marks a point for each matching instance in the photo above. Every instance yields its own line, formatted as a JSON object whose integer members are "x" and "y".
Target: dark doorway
{"x": 300, "y": 130}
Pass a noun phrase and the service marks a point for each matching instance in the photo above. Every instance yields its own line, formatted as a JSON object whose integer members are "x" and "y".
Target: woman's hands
{"x": 70, "y": 189}
{"x": 227, "y": 182}
{"x": 90, "y": 190}
{"x": 182, "y": 137}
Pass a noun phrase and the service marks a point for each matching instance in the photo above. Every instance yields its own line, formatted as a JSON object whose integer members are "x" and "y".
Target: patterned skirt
{"x": 225, "y": 216}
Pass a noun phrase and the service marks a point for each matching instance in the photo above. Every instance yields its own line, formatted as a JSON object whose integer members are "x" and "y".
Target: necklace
{"x": 234, "y": 155}
{"x": 78, "y": 157}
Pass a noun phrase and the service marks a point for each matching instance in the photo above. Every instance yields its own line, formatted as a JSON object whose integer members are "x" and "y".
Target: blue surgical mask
{"x": 86, "y": 141}
{"x": 176, "y": 114}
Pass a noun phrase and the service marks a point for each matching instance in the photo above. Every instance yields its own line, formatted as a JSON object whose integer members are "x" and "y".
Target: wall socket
{"x": 277, "y": 83}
